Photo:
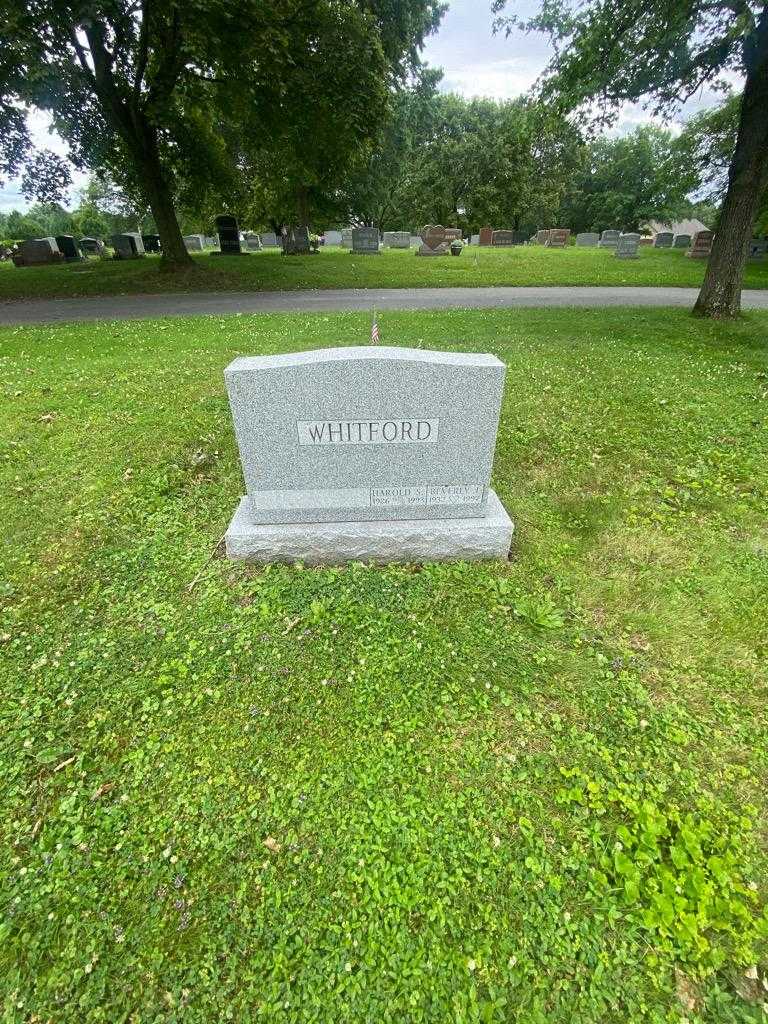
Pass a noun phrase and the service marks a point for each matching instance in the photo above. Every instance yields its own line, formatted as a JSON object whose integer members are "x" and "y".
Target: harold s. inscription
{"x": 411, "y": 431}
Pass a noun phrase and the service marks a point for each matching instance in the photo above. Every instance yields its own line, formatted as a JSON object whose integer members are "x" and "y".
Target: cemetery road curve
{"x": 143, "y": 307}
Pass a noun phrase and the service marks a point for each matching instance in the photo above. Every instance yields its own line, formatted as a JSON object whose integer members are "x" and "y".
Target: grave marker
{"x": 587, "y": 239}
{"x": 367, "y": 453}
{"x": 558, "y": 238}
{"x": 434, "y": 241}
{"x": 397, "y": 239}
{"x": 701, "y": 246}
{"x": 626, "y": 248}
{"x": 365, "y": 241}
{"x": 663, "y": 240}
{"x": 228, "y": 231}
{"x": 128, "y": 245}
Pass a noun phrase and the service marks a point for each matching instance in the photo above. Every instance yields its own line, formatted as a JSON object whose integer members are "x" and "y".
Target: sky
{"x": 474, "y": 61}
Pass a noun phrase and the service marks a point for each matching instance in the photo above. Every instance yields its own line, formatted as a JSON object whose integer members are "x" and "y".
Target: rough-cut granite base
{"x": 412, "y": 540}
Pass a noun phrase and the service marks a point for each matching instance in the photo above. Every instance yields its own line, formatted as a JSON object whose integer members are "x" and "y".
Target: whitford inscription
{"x": 393, "y": 431}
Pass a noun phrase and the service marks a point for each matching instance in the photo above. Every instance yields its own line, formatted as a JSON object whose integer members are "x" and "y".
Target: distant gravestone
{"x": 253, "y": 243}
{"x": 128, "y": 245}
{"x": 35, "y": 252}
{"x": 434, "y": 241}
{"x": 151, "y": 243}
{"x": 193, "y": 243}
{"x": 474, "y": 240}
{"x": 542, "y": 237}
{"x": 269, "y": 240}
{"x": 486, "y": 235}
{"x": 69, "y": 249}
{"x": 365, "y": 241}
{"x": 367, "y": 454}
{"x": 415, "y": 241}
{"x": 558, "y": 238}
{"x": 346, "y": 238}
{"x": 296, "y": 242}
{"x": 587, "y": 239}
{"x": 663, "y": 240}
{"x": 228, "y": 231}
{"x": 701, "y": 245}
{"x": 646, "y": 240}
{"x": 397, "y": 239}
{"x": 453, "y": 234}
{"x": 609, "y": 239}
{"x": 626, "y": 249}
{"x": 503, "y": 237}
{"x": 333, "y": 238}
{"x": 91, "y": 246}
{"x": 681, "y": 241}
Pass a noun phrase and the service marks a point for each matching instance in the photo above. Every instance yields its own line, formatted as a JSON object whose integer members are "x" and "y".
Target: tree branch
{"x": 80, "y": 51}
{"x": 143, "y": 50}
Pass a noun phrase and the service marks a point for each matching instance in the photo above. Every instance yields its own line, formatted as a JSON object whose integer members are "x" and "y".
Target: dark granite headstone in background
{"x": 69, "y": 249}
{"x": 296, "y": 242}
{"x": 229, "y": 235}
{"x": 151, "y": 243}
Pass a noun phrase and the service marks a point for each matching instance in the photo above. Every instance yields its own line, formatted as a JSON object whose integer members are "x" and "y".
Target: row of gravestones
{"x": 435, "y": 240}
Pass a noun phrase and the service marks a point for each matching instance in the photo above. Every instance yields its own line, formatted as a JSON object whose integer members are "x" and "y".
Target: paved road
{"x": 140, "y": 307}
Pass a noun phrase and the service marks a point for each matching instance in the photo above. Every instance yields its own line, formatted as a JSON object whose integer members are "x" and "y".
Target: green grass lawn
{"x": 532, "y": 791}
{"x": 337, "y": 268}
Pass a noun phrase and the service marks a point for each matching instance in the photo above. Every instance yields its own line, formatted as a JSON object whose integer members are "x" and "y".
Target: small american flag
{"x": 374, "y": 330}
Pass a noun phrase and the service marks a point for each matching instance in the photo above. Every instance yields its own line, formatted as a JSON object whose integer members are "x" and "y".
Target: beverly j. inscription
{"x": 368, "y": 431}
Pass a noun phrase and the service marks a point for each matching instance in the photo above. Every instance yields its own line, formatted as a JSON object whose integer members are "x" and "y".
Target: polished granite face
{"x": 366, "y": 433}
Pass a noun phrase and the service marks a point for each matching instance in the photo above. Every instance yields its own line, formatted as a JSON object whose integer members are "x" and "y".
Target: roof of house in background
{"x": 677, "y": 227}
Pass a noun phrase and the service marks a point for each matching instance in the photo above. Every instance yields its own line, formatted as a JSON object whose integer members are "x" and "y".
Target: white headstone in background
{"x": 397, "y": 240}
{"x": 367, "y": 453}
{"x": 333, "y": 238}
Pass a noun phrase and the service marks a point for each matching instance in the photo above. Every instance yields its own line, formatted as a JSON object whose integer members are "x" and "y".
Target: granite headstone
{"x": 626, "y": 249}
{"x": 663, "y": 240}
{"x": 587, "y": 239}
{"x": 681, "y": 241}
{"x": 128, "y": 245}
{"x": 228, "y": 231}
{"x": 69, "y": 249}
{"x": 365, "y": 241}
{"x": 434, "y": 241}
{"x": 701, "y": 245}
{"x": 558, "y": 238}
{"x": 91, "y": 246}
{"x": 367, "y": 453}
{"x": 333, "y": 237}
{"x": 296, "y": 242}
{"x": 486, "y": 235}
{"x": 397, "y": 240}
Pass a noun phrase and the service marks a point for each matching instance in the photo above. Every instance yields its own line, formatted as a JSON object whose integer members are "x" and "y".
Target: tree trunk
{"x": 302, "y": 206}
{"x": 158, "y": 194}
{"x": 720, "y": 295}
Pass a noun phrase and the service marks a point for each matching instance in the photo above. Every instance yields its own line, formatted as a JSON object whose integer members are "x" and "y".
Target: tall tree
{"x": 662, "y": 52}
{"x": 138, "y": 87}
{"x": 630, "y": 180}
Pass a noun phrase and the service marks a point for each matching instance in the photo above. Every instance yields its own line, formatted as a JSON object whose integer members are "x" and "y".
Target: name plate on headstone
{"x": 365, "y": 433}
